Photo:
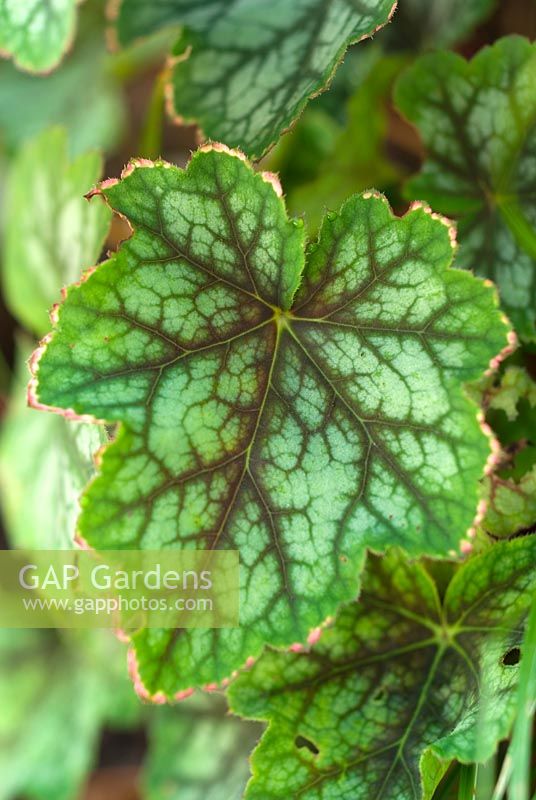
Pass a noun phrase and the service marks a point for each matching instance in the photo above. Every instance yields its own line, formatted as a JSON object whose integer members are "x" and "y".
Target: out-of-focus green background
{"x": 70, "y": 723}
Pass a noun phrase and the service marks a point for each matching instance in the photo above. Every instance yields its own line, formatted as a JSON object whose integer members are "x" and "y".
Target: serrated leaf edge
{"x": 113, "y": 9}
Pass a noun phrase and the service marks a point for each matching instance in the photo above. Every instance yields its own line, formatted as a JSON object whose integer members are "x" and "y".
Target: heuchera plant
{"x": 297, "y": 409}
{"x": 325, "y": 396}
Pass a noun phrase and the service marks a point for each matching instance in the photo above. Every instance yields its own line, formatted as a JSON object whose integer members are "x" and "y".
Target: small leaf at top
{"x": 245, "y": 70}
{"x": 298, "y": 414}
{"x": 36, "y": 33}
{"x": 50, "y": 228}
{"x": 478, "y": 122}
{"x": 398, "y": 674}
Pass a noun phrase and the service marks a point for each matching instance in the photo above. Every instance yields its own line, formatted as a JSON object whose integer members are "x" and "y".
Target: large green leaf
{"x": 50, "y": 229}
{"x": 197, "y": 751}
{"x": 36, "y": 33}
{"x": 399, "y": 673}
{"x": 298, "y": 426}
{"x": 478, "y": 122}
{"x": 247, "y": 69}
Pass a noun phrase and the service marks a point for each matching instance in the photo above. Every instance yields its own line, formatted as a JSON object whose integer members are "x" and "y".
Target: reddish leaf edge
{"x": 465, "y": 545}
{"x": 113, "y": 9}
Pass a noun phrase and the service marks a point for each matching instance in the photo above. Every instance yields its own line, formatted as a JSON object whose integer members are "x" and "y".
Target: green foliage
{"x": 426, "y": 24}
{"x": 357, "y": 159}
{"x": 521, "y": 744}
{"x": 511, "y": 497}
{"x": 57, "y": 691}
{"x": 83, "y": 96}
{"x": 56, "y": 694}
{"x": 50, "y": 230}
{"x": 515, "y": 385}
{"x": 477, "y": 120}
{"x": 36, "y": 34}
{"x": 318, "y": 403}
{"x": 45, "y": 463}
{"x": 257, "y": 415}
{"x": 245, "y": 70}
{"x": 398, "y": 673}
{"x": 198, "y": 752}
{"x": 510, "y": 490}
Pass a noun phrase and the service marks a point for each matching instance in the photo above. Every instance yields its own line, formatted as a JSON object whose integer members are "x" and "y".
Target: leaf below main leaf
{"x": 397, "y": 674}
{"x": 297, "y": 425}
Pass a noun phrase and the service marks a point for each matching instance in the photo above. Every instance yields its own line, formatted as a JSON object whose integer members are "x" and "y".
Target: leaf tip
{"x": 80, "y": 542}
{"x": 273, "y": 179}
{"x": 121, "y": 636}
{"x": 380, "y": 25}
{"x": 183, "y": 695}
{"x": 169, "y": 98}
{"x": 159, "y": 698}
{"x": 219, "y": 147}
{"x": 466, "y": 547}
{"x": 418, "y": 205}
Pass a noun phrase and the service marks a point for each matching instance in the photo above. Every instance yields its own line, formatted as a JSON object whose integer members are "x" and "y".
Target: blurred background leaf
{"x": 198, "y": 751}
{"x": 50, "y": 231}
{"x": 36, "y": 34}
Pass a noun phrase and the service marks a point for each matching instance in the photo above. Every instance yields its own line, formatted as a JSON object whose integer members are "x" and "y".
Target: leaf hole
{"x": 512, "y": 657}
{"x": 301, "y": 742}
{"x": 379, "y": 696}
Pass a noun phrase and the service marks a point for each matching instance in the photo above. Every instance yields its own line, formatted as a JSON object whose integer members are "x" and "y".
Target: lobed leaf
{"x": 478, "y": 122}
{"x": 245, "y": 70}
{"x": 36, "y": 34}
{"x": 400, "y": 673}
{"x": 296, "y": 409}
